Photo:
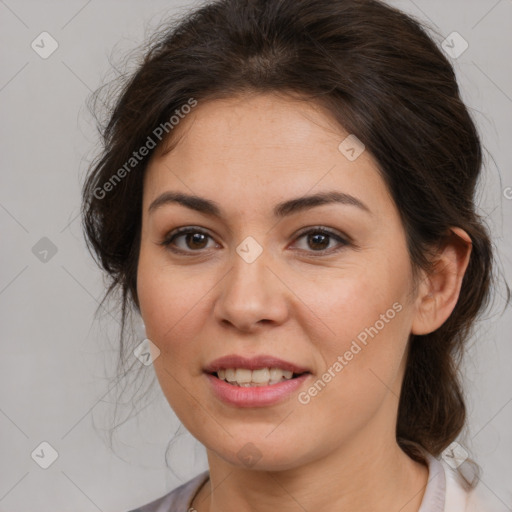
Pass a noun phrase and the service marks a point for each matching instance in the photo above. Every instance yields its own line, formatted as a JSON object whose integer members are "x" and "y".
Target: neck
{"x": 379, "y": 478}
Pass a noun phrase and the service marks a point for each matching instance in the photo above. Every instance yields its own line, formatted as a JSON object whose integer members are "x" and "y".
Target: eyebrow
{"x": 284, "y": 209}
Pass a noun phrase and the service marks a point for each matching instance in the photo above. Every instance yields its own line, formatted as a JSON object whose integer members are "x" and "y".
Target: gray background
{"x": 56, "y": 359}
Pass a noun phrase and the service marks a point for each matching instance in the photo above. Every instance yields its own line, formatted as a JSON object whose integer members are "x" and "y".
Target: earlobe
{"x": 440, "y": 288}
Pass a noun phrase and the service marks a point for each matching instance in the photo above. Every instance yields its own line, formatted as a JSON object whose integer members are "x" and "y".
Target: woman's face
{"x": 256, "y": 278}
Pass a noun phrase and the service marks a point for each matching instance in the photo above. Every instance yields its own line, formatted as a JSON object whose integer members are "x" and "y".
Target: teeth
{"x": 277, "y": 374}
{"x": 243, "y": 376}
{"x": 261, "y": 377}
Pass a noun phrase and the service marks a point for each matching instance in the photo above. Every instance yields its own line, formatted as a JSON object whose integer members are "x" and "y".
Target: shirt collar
{"x": 435, "y": 491}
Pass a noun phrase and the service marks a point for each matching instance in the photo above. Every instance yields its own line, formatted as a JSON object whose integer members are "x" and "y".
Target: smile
{"x": 258, "y": 381}
{"x": 249, "y": 378}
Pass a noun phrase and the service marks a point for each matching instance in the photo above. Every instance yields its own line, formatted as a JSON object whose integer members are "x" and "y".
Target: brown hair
{"x": 383, "y": 79}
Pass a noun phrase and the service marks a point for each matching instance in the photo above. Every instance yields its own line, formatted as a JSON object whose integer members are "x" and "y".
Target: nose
{"x": 252, "y": 295}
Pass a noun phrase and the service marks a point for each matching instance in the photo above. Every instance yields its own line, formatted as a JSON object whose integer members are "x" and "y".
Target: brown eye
{"x": 195, "y": 240}
{"x": 319, "y": 239}
{"x": 189, "y": 239}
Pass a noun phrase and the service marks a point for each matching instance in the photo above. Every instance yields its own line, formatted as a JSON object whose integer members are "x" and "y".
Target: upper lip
{"x": 253, "y": 363}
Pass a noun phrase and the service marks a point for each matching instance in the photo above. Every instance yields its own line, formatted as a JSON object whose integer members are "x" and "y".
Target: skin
{"x": 298, "y": 301}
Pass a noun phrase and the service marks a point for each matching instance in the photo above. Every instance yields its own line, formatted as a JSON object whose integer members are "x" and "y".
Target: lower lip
{"x": 255, "y": 396}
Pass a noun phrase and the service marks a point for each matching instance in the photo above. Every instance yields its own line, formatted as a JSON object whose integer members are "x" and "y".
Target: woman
{"x": 286, "y": 197}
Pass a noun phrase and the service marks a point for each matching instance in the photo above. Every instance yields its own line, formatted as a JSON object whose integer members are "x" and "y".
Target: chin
{"x": 259, "y": 452}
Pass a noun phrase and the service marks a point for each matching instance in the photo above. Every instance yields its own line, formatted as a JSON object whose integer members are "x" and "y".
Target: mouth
{"x": 244, "y": 377}
{"x": 259, "y": 371}
{"x": 259, "y": 387}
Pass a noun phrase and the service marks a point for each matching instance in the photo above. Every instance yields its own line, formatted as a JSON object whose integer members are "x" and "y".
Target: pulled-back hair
{"x": 383, "y": 79}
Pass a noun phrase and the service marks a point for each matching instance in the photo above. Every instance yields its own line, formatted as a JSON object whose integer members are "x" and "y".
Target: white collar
{"x": 435, "y": 492}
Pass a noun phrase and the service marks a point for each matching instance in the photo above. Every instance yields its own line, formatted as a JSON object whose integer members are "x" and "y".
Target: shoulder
{"x": 448, "y": 490}
{"x": 477, "y": 499}
{"x": 178, "y": 500}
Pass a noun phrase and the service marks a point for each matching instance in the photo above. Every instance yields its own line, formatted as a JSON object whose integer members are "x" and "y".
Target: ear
{"x": 439, "y": 290}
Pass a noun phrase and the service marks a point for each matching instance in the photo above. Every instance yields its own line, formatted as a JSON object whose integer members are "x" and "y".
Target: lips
{"x": 253, "y": 363}
{"x": 258, "y": 395}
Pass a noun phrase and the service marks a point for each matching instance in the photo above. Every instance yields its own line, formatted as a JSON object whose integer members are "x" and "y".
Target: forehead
{"x": 266, "y": 125}
{"x": 250, "y": 148}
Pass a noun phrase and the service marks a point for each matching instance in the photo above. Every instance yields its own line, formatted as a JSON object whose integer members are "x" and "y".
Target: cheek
{"x": 165, "y": 295}
{"x": 352, "y": 300}
{"x": 167, "y": 305}
{"x": 174, "y": 304}
{"x": 366, "y": 318}
{"x": 361, "y": 367}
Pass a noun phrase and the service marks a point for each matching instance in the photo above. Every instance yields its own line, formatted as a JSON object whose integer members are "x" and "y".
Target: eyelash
{"x": 171, "y": 237}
